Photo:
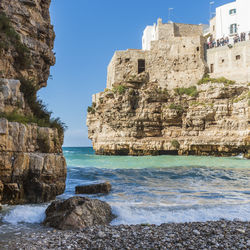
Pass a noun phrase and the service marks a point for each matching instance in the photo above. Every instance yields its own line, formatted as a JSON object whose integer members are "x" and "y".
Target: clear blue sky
{"x": 87, "y": 34}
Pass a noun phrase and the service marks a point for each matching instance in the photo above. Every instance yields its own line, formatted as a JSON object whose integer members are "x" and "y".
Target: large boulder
{"x": 77, "y": 212}
{"x": 93, "y": 188}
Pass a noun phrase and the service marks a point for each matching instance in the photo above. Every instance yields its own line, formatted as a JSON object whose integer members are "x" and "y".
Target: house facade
{"x": 232, "y": 18}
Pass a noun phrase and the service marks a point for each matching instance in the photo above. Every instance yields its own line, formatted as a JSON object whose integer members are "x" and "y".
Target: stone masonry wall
{"x": 171, "y": 64}
{"x": 232, "y": 63}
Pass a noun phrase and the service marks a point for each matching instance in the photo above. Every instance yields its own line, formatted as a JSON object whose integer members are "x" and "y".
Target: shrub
{"x": 26, "y": 119}
{"x": 120, "y": 89}
{"x": 191, "y": 91}
{"x": 41, "y": 115}
{"x": 91, "y": 110}
{"x": 207, "y": 79}
{"x": 176, "y": 107}
{"x": 175, "y": 144}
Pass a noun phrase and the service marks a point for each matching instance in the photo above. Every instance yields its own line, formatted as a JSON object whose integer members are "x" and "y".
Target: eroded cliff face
{"x": 31, "y": 21}
{"x": 140, "y": 118}
{"x": 32, "y": 166}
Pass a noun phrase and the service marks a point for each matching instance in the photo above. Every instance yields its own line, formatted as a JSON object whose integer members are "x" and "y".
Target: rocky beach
{"x": 207, "y": 235}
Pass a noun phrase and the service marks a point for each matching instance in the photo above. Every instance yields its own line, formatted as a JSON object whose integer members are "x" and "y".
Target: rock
{"x": 32, "y": 166}
{"x": 248, "y": 243}
{"x": 196, "y": 232}
{"x": 101, "y": 234}
{"x": 93, "y": 188}
{"x": 77, "y": 213}
{"x": 149, "y": 121}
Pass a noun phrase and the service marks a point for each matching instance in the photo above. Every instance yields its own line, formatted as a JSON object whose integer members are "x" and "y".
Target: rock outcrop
{"x": 77, "y": 213}
{"x": 32, "y": 166}
{"x": 156, "y": 103}
{"x": 100, "y": 188}
{"x": 144, "y": 119}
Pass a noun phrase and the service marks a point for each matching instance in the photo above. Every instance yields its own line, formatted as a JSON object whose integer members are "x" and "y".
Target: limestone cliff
{"x": 32, "y": 166}
{"x": 140, "y": 118}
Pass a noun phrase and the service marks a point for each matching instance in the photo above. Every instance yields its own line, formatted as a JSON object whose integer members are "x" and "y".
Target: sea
{"x": 149, "y": 189}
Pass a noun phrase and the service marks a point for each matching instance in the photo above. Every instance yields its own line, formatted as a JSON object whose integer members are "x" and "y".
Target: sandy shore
{"x": 199, "y": 235}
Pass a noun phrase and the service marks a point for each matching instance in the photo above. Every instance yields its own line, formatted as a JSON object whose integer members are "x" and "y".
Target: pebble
{"x": 195, "y": 235}
{"x": 196, "y": 232}
{"x": 248, "y": 243}
{"x": 101, "y": 234}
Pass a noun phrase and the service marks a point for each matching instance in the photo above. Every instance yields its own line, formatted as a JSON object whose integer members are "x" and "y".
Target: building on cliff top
{"x": 229, "y": 42}
{"x": 172, "y": 56}
{"x": 176, "y": 55}
{"x": 231, "y": 19}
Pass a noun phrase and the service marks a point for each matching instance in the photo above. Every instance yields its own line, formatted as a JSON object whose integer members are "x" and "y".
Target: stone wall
{"x": 173, "y": 63}
{"x": 187, "y": 30}
{"x": 166, "y": 31}
{"x": 232, "y": 63}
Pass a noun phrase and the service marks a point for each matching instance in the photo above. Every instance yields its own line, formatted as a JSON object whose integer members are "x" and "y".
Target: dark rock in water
{"x": 77, "y": 213}
{"x": 94, "y": 188}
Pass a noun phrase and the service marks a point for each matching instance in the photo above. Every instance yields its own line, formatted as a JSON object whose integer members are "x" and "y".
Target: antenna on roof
{"x": 169, "y": 14}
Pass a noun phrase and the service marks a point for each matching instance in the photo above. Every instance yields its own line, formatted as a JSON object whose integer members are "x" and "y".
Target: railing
{"x": 228, "y": 42}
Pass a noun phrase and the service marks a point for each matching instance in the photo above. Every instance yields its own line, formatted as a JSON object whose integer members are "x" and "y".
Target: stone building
{"x": 232, "y": 62}
{"x": 173, "y": 56}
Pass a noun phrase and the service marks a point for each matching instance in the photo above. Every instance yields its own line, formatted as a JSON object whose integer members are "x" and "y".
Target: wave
{"x": 25, "y": 214}
{"x": 131, "y": 214}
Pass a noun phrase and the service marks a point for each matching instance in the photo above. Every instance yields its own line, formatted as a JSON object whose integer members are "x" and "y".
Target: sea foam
{"x": 131, "y": 215}
{"x": 25, "y": 214}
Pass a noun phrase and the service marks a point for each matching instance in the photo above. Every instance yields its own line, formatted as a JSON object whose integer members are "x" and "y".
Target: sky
{"x": 88, "y": 32}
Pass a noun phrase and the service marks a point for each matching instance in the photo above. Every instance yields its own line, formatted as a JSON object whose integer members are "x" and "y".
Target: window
{"x": 238, "y": 57}
{"x": 233, "y": 28}
{"x": 211, "y": 68}
{"x": 232, "y": 11}
{"x": 141, "y": 66}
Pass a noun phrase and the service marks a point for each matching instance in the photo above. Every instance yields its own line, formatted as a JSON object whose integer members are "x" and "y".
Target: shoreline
{"x": 222, "y": 234}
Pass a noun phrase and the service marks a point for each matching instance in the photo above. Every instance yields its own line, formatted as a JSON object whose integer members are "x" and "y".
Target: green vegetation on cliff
{"x": 10, "y": 38}
{"x": 207, "y": 79}
{"x": 191, "y": 91}
{"x": 39, "y": 110}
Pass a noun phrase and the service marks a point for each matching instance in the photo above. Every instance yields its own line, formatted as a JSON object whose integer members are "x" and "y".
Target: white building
{"x": 233, "y": 18}
{"x": 149, "y": 34}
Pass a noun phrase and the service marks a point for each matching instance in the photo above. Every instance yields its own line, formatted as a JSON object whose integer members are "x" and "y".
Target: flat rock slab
{"x": 77, "y": 213}
{"x": 93, "y": 188}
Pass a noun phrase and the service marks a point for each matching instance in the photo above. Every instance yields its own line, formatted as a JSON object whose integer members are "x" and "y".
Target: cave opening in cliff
{"x": 141, "y": 66}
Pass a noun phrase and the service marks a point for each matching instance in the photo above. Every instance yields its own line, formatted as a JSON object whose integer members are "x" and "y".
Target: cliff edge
{"x": 32, "y": 166}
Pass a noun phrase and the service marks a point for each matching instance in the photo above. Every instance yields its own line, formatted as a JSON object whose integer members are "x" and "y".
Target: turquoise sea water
{"x": 152, "y": 189}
